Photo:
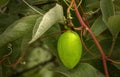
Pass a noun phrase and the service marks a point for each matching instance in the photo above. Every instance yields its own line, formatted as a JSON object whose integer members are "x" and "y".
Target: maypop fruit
{"x": 69, "y": 48}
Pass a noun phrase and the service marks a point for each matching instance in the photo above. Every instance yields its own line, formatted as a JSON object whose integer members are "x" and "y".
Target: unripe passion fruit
{"x": 69, "y": 48}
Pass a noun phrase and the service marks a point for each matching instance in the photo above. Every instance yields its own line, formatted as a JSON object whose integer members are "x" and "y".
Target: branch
{"x": 87, "y": 49}
{"x": 71, "y": 4}
{"x": 94, "y": 38}
{"x": 19, "y": 59}
{"x": 7, "y": 55}
{"x": 113, "y": 61}
{"x": 34, "y": 67}
{"x": 112, "y": 46}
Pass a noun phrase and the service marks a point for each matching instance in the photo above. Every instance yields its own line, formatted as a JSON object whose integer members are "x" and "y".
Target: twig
{"x": 6, "y": 56}
{"x": 20, "y": 58}
{"x": 34, "y": 67}
{"x": 26, "y": 50}
{"x": 87, "y": 49}
{"x": 67, "y": 3}
{"x": 45, "y": 36}
{"x": 113, "y": 61}
{"x": 94, "y": 38}
{"x": 112, "y": 46}
{"x": 79, "y": 28}
{"x": 71, "y": 4}
{"x": 85, "y": 16}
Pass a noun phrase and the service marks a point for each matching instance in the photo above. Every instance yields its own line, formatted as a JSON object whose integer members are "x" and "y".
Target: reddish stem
{"x": 94, "y": 38}
{"x": 87, "y": 49}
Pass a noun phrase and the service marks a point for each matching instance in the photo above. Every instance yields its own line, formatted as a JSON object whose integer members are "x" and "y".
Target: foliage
{"x": 29, "y": 31}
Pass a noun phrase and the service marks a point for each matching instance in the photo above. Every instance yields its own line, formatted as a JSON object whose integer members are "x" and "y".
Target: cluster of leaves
{"x": 32, "y": 30}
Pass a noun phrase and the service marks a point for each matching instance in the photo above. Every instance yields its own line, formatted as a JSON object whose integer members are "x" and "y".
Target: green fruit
{"x": 69, "y": 48}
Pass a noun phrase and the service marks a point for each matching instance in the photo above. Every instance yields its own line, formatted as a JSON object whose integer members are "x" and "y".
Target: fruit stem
{"x": 95, "y": 40}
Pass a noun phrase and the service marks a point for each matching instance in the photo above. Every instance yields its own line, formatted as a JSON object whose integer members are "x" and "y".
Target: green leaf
{"x": 117, "y": 6}
{"x": 16, "y": 53}
{"x": 1, "y": 73}
{"x": 6, "y": 18}
{"x": 117, "y": 2}
{"x": 53, "y": 16}
{"x": 26, "y": 38}
{"x": 114, "y": 24}
{"x": 36, "y": 2}
{"x": 117, "y": 65}
{"x": 16, "y": 50}
{"x": 18, "y": 29}
{"x": 94, "y": 4}
{"x": 51, "y": 40}
{"x": 82, "y": 70}
{"x": 37, "y": 55}
{"x": 106, "y": 45}
{"x": 3, "y": 3}
{"x": 98, "y": 26}
{"x": 107, "y": 9}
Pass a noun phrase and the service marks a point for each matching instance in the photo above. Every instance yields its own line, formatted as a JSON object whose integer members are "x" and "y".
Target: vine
{"x": 81, "y": 21}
